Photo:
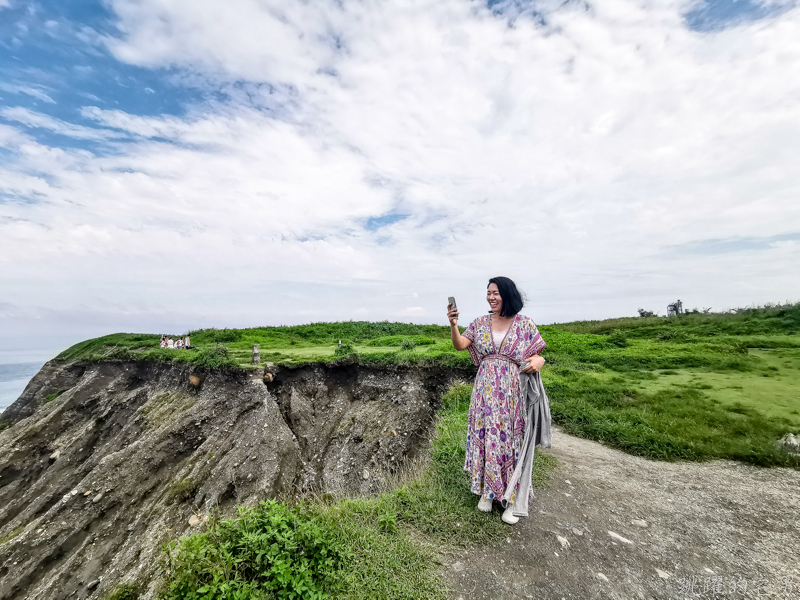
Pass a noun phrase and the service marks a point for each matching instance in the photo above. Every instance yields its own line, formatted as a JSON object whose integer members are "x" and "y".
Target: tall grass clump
{"x": 215, "y": 357}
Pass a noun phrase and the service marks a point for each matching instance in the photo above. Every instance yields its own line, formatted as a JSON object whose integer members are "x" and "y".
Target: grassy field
{"x": 694, "y": 387}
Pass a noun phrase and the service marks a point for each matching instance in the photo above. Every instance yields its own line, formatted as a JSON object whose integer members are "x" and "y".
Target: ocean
{"x": 13, "y": 379}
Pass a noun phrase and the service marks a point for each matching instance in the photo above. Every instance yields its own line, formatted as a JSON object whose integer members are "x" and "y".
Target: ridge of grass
{"x": 665, "y": 388}
{"x": 355, "y": 548}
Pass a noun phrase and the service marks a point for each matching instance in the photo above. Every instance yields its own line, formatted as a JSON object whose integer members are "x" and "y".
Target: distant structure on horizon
{"x": 675, "y": 308}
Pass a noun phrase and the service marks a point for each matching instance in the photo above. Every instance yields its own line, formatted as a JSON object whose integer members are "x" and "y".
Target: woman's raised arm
{"x": 459, "y": 341}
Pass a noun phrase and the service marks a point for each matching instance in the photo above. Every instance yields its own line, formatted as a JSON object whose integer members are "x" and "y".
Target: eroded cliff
{"x": 104, "y": 462}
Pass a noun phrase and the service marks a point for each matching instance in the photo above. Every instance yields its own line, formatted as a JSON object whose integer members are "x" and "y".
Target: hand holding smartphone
{"x": 452, "y": 310}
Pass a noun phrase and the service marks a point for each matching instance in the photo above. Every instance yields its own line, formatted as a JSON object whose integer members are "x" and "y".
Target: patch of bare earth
{"x": 612, "y": 525}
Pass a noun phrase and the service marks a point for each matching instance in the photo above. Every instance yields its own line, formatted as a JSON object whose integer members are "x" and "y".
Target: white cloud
{"x": 34, "y": 119}
{"x": 25, "y": 89}
{"x": 568, "y": 155}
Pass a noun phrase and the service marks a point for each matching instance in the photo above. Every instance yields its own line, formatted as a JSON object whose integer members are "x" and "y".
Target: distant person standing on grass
{"x": 501, "y": 344}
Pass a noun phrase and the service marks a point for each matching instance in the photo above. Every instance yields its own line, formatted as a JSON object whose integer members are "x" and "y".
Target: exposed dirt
{"x": 95, "y": 479}
{"x": 705, "y": 530}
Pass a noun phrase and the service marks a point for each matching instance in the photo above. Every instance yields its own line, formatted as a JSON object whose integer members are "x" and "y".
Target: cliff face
{"x": 105, "y": 462}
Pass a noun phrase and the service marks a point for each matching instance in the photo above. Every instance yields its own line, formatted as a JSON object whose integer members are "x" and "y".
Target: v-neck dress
{"x": 496, "y": 422}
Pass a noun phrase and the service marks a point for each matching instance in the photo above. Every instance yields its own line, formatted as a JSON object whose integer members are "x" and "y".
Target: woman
{"x": 501, "y": 343}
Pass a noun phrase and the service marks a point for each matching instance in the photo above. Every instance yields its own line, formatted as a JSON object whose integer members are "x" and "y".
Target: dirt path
{"x": 693, "y": 530}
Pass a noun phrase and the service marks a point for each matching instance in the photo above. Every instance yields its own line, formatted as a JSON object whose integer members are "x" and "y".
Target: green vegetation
{"x": 125, "y": 591}
{"x": 11, "y": 534}
{"x": 229, "y": 348}
{"x": 343, "y": 350}
{"x": 380, "y": 547}
{"x": 399, "y": 340}
{"x": 695, "y": 386}
{"x": 53, "y": 396}
{"x": 181, "y": 490}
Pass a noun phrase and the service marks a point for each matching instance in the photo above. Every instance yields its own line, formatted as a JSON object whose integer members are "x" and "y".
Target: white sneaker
{"x": 508, "y": 516}
{"x": 485, "y": 505}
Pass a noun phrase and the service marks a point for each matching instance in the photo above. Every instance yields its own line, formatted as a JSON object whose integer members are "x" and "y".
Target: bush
{"x": 408, "y": 344}
{"x": 618, "y": 339}
{"x": 214, "y": 358}
{"x": 344, "y": 350}
{"x": 268, "y": 551}
{"x": 124, "y": 591}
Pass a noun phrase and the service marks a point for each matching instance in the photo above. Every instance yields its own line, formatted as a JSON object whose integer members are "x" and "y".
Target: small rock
{"x": 195, "y": 380}
{"x": 365, "y": 474}
{"x": 563, "y": 541}
{"x": 790, "y": 442}
{"x": 603, "y": 577}
{"x": 55, "y": 455}
{"x": 458, "y": 567}
{"x": 617, "y": 536}
{"x": 577, "y": 531}
{"x": 93, "y": 584}
{"x": 707, "y": 570}
{"x": 194, "y": 521}
{"x": 662, "y": 574}
{"x": 568, "y": 482}
{"x": 87, "y": 493}
{"x": 639, "y": 523}
{"x": 98, "y": 497}
{"x": 394, "y": 433}
{"x": 268, "y": 377}
{"x": 74, "y": 492}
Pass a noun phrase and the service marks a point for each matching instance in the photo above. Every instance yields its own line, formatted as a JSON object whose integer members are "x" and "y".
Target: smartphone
{"x": 451, "y": 302}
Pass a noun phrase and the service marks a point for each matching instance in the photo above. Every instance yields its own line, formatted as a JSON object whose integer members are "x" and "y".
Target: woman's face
{"x": 494, "y": 299}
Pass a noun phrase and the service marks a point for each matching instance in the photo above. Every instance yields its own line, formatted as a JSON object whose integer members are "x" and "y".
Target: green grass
{"x": 12, "y": 534}
{"x": 357, "y": 548}
{"x": 124, "y": 591}
{"x": 695, "y": 386}
{"x": 672, "y": 397}
{"x": 229, "y": 348}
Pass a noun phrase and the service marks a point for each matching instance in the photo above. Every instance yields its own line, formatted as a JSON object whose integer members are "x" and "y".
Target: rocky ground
{"x": 616, "y": 526}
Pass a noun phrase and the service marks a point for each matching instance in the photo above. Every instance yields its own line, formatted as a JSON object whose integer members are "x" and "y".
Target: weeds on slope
{"x": 357, "y": 548}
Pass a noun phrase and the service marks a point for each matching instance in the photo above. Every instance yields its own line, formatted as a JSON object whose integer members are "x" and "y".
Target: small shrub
{"x": 124, "y": 591}
{"x": 388, "y": 522}
{"x": 217, "y": 357}
{"x": 617, "y": 338}
{"x": 344, "y": 350}
{"x": 407, "y": 344}
{"x": 268, "y": 551}
{"x": 181, "y": 490}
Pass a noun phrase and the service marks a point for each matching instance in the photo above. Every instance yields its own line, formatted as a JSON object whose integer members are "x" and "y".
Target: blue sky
{"x": 171, "y": 165}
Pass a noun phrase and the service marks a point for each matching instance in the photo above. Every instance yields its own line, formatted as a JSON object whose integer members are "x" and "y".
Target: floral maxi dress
{"x": 496, "y": 423}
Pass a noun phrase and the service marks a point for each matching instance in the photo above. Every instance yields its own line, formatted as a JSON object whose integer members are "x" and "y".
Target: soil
{"x": 720, "y": 529}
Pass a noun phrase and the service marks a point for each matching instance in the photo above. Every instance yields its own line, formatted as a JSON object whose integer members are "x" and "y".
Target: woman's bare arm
{"x": 459, "y": 341}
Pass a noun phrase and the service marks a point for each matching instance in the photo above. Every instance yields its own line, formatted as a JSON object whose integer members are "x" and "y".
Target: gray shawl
{"x": 537, "y": 433}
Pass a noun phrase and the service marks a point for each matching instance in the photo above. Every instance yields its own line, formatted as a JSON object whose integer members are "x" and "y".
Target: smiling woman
{"x": 502, "y": 344}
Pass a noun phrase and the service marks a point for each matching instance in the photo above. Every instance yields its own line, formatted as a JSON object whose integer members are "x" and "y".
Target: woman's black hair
{"x": 512, "y": 299}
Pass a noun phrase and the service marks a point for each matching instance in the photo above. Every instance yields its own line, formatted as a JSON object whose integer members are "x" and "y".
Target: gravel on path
{"x": 616, "y": 526}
